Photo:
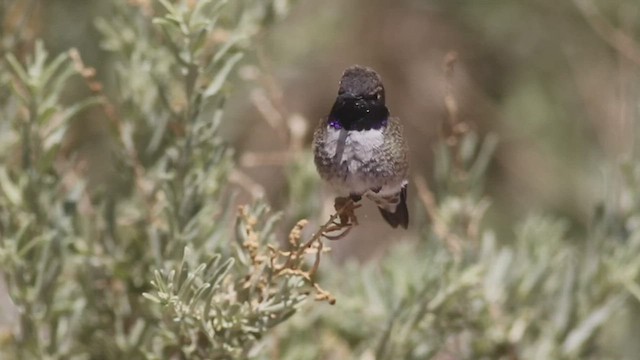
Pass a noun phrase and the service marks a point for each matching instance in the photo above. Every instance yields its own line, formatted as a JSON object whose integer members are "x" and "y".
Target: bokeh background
{"x": 556, "y": 81}
{"x": 557, "y": 86}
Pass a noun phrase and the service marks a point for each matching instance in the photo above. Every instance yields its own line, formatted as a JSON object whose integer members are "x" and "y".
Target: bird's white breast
{"x": 350, "y": 150}
{"x": 353, "y": 147}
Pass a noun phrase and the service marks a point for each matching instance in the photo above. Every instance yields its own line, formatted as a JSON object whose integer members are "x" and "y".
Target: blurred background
{"x": 557, "y": 81}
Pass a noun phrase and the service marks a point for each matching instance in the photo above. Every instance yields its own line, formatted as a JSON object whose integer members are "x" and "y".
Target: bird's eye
{"x": 375, "y": 96}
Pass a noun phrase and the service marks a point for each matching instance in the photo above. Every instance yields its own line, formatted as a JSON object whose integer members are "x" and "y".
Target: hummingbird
{"x": 359, "y": 149}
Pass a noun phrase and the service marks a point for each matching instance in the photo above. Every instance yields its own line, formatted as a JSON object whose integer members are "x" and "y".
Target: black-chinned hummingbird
{"x": 360, "y": 149}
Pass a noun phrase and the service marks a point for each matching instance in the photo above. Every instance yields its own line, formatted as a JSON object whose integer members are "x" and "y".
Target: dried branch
{"x": 617, "y": 39}
{"x": 451, "y": 240}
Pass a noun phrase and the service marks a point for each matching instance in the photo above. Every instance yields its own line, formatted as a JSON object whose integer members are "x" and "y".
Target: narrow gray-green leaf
{"x": 578, "y": 336}
{"x": 10, "y": 190}
{"x": 222, "y": 75}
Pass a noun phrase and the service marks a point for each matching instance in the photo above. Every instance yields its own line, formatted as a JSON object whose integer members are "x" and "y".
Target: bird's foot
{"x": 345, "y": 210}
{"x": 344, "y": 231}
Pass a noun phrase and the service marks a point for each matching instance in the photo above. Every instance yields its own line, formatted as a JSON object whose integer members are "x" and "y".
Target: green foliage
{"x": 78, "y": 256}
{"x": 37, "y": 219}
{"x": 155, "y": 262}
{"x": 223, "y": 307}
{"x": 543, "y": 295}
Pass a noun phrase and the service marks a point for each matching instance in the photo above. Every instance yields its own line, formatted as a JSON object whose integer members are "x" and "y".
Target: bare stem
{"x": 453, "y": 242}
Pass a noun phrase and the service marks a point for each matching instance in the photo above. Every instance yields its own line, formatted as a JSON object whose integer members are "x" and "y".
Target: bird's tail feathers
{"x": 398, "y": 216}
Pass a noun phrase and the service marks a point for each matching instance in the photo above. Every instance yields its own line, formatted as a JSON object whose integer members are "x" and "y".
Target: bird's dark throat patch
{"x": 358, "y": 114}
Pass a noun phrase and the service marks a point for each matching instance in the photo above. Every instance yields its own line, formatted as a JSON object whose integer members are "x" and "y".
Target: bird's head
{"x": 360, "y": 104}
